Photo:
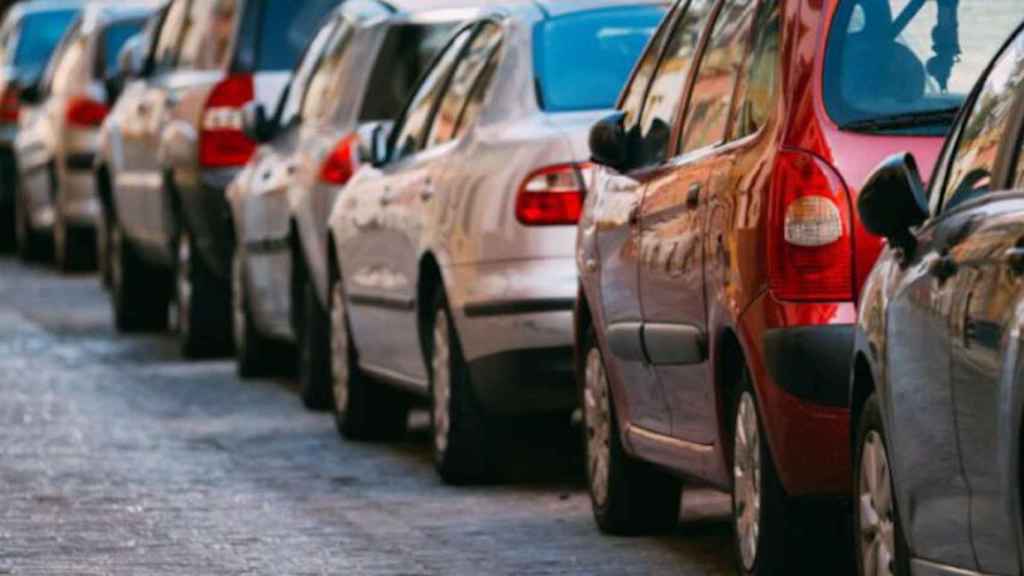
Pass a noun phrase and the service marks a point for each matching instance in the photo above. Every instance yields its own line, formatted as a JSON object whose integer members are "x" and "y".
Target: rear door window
{"x": 325, "y": 86}
{"x": 39, "y": 35}
{"x": 758, "y": 88}
{"x": 479, "y": 57}
{"x": 113, "y": 39}
{"x": 308, "y": 67}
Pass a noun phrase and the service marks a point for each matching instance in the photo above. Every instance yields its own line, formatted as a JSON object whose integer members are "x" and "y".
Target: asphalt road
{"x": 117, "y": 457}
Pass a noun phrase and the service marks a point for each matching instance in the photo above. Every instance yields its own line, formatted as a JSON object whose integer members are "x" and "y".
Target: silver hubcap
{"x": 877, "y": 528}
{"x": 442, "y": 385}
{"x": 238, "y": 300}
{"x": 747, "y": 480}
{"x": 597, "y": 419}
{"x": 339, "y": 350}
{"x": 184, "y": 283}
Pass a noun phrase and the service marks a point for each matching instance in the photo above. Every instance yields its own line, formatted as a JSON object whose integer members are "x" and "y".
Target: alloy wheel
{"x": 184, "y": 284}
{"x": 877, "y": 525}
{"x": 597, "y": 422}
{"x": 747, "y": 480}
{"x": 442, "y": 385}
{"x": 339, "y": 349}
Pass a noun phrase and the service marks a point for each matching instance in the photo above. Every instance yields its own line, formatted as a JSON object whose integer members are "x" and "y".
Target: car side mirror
{"x": 608, "y": 146}
{"x": 378, "y": 143}
{"x": 893, "y": 201}
{"x": 255, "y": 123}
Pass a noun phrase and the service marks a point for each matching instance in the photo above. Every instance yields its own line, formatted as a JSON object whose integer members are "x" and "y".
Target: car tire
{"x": 363, "y": 409}
{"x": 628, "y": 496}
{"x": 876, "y": 524}
{"x": 255, "y": 355}
{"x": 8, "y": 227}
{"x": 460, "y": 436}
{"x": 203, "y": 304}
{"x": 103, "y": 255}
{"x": 314, "y": 335}
{"x": 139, "y": 296}
{"x": 71, "y": 245}
{"x": 29, "y": 242}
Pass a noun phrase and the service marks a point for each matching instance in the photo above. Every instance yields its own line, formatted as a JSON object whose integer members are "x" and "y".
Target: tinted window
{"x": 976, "y": 154}
{"x": 209, "y": 29}
{"x": 412, "y": 134}
{"x": 758, "y": 89}
{"x": 482, "y": 51}
{"x": 114, "y": 38}
{"x": 402, "y": 60}
{"x": 926, "y": 57}
{"x": 169, "y": 39}
{"x": 634, "y": 94}
{"x": 311, "y": 62}
{"x": 39, "y": 36}
{"x": 711, "y": 97}
{"x": 668, "y": 87}
{"x": 582, "y": 60}
{"x": 325, "y": 86}
{"x": 286, "y": 28}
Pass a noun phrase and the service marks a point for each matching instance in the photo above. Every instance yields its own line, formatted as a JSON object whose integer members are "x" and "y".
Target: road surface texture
{"x": 118, "y": 458}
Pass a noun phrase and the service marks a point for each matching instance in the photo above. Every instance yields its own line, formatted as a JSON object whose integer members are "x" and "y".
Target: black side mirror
{"x": 893, "y": 201}
{"x": 255, "y": 123}
{"x": 608, "y": 146}
{"x": 376, "y": 146}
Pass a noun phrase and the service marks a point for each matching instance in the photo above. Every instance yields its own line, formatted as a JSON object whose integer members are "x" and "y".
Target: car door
{"x": 380, "y": 281}
{"x": 613, "y": 227}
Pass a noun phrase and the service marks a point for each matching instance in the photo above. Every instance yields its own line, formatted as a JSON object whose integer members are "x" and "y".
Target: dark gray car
{"x": 938, "y": 383}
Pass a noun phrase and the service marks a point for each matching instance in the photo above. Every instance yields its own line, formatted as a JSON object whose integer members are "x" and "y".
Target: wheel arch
{"x": 429, "y": 281}
{"x": 730, "y": 363}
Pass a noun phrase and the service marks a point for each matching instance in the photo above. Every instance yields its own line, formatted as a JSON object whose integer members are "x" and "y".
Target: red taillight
{"x": 10, "y": 106}
{"x": 85, "y": 113}
{"x": 552, "y": 196}
{"x": 810, "y": 244}
{"x": 222, "y": 143}
{"x": 342, "y": 162}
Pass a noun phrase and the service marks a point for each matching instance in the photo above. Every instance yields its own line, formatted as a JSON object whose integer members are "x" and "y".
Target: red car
{"x": 719, "y": 255}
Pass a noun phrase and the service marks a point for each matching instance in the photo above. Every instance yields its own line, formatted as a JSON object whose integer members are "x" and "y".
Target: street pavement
{"x": 119, "y": 458}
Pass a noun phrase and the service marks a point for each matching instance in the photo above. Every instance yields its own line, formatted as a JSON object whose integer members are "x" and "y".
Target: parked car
{"x": 720, "y": 257}
{"x": 356, "y": 77}
{"x": 451, "y": 254}
{"x": 28, "y": 36}
{"x": 56, "y": 143}
{"x": 175, "y": 145}
{"x": 937, "y": 380}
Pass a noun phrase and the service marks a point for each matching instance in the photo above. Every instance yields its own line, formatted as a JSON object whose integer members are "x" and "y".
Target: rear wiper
{"x": 905, "y": 120}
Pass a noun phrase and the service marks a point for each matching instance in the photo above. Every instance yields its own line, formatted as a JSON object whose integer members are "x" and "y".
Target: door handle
{"x": 944, "y": 268}
{"x": 427, "y": 193}
{"x": 693, "y": 196}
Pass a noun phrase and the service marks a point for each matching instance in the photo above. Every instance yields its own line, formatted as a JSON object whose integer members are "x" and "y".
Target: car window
{"x": 302, "y": 78}
{"x": 583, "y": 58}
{"x": 67, "y": 73}
{"x": 166, "y": 53}
{"x": 667, "y": 88}
{"x": 113, "y": 39}
{"x": 39, "y": 35}
{"x": 482, "y": 51}
{"x": 708, "y": 112}
{"x": 634, "y": 94}
{"x": 401, "y": 61}
{"x": 985, "y": 127}
{"x": 209, "y": 29}
{"x": 412, "y": 132}
{"x": 758, "y": 87}
{"x": 285, "y": 29}
{"x": 324, "y": 86}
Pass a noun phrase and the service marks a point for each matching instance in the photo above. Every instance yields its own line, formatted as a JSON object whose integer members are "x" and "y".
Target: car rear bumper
{"x": 799, "y": 355}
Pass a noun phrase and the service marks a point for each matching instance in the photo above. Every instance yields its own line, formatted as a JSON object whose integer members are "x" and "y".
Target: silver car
{"x": 56, "y": 143}
{"x": 28, "y": 36}
{"x": 451, "y": 268}
{"x": 355, "y": 77}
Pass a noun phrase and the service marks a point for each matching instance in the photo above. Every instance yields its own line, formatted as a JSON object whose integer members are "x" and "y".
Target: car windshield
{"x": 906, "y": 66}
{"x": 287, "y": 28}
{"x": 114, "y": 39}
{"x": 582, "y": 60}
{"x": 40, "y": 34}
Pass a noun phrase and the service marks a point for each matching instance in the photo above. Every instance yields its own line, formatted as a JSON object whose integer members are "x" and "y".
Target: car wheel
{"x": 314, "y": 333}
{"x": 880, "y": 545}
{"x": 70, "y": 245}
{"x": 363, "y": 410}
{"x": 763, "y": 515}
{"x": 139, "y": 302}
{"x": 628, "y": 497}
{"x": 103, "y": 250}
{"x": 204, "y": 323}
{"x": 460, "y": 436}
{"x": 254, "y": 353}
{"x": 30, "y": 247}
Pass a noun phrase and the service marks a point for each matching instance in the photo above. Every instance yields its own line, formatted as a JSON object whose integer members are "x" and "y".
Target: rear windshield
{"x": 906, "y": 66}
{"x": 405, "y": 55}
{"x": 285, "y": 28}
{"x": 114, "y": 38}
{"x": 582, "y": 60}
{"x": 40, "y": 34}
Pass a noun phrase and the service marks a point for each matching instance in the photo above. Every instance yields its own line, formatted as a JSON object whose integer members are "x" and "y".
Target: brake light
{"x": 342, "y": 162}
{"x": 85, "y": 112}
{"x": 552, "y": 196}
{"x": 10, "y": 106}
{"x": 810, "y": 243}
{"x": 222, "y": 143}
